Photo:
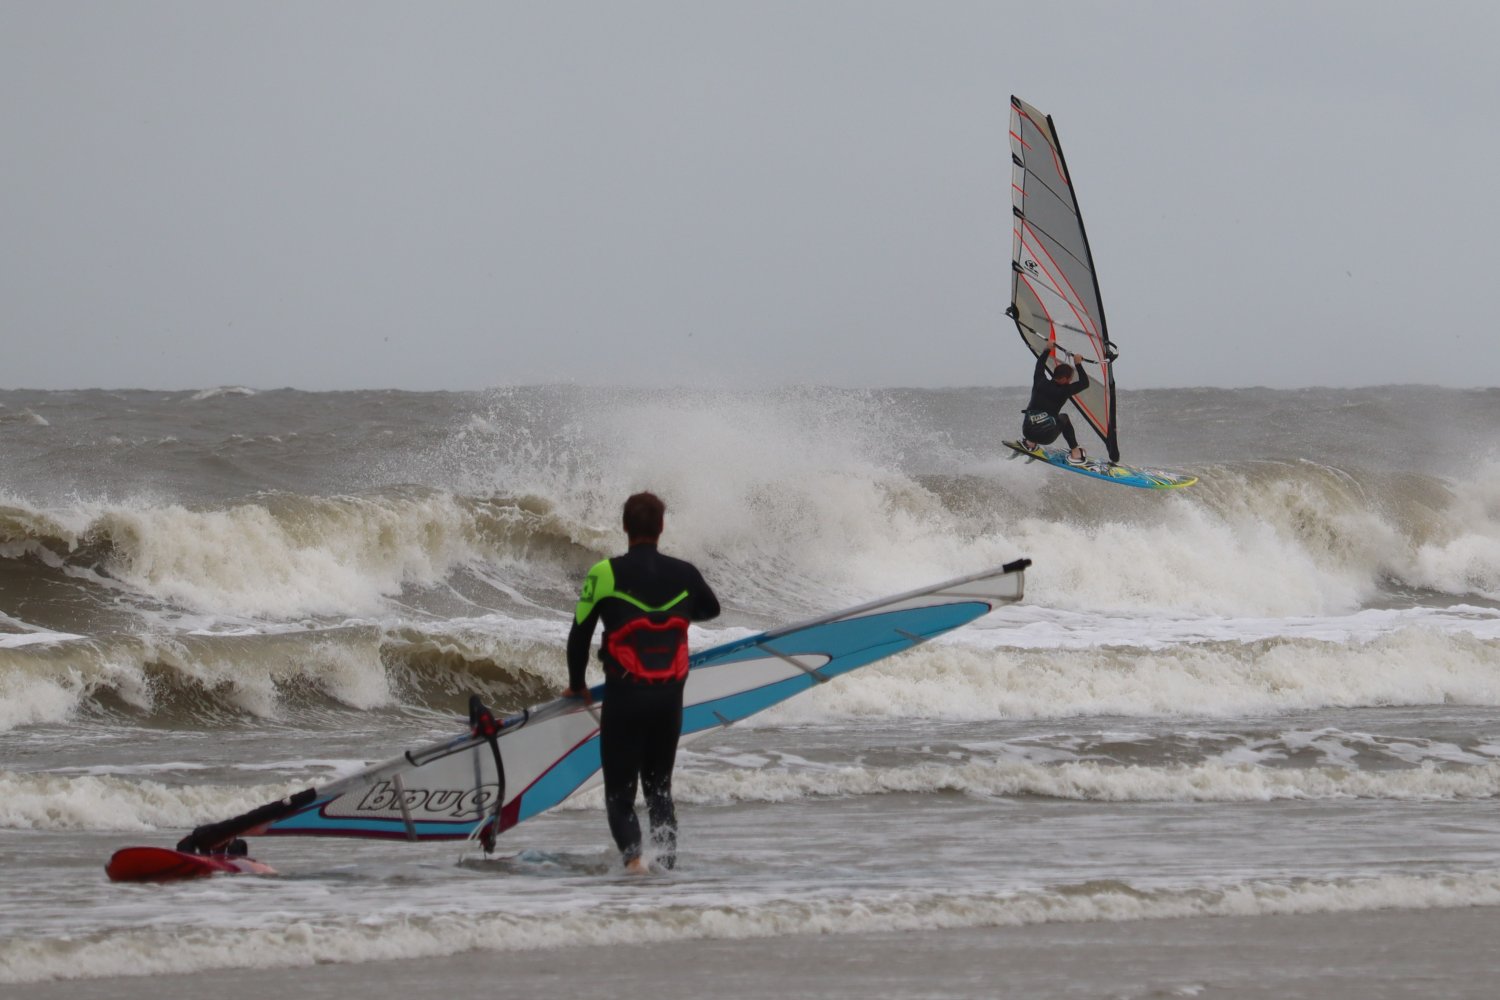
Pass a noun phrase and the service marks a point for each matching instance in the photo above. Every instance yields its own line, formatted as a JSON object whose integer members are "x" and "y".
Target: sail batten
{"x": 1055, "y": 298}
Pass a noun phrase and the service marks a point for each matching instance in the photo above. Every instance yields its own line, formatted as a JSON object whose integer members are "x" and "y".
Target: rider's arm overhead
{"x": 1080, "y": 376}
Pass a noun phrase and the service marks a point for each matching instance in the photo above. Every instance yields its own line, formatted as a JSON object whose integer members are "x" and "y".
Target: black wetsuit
{"x": 646, "y": 600}
{"x": 1049, "y": 397}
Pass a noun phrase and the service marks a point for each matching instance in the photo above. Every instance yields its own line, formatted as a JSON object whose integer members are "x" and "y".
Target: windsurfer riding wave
{"x": 1044, "y": 419}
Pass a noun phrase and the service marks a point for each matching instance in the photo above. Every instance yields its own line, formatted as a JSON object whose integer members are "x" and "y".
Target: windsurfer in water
{"x": 646, "y": 600}
{"x": 1044, "y": 419}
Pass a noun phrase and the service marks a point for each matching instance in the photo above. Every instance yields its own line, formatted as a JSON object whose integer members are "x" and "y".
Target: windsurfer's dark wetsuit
{"x": 646, "y": 600}
{"x": 1044, "y": 418}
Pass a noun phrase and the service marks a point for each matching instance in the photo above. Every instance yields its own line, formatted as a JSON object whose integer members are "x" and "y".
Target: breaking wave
{"x": 197, "y": 679}
{"x": 1258, "y": 540}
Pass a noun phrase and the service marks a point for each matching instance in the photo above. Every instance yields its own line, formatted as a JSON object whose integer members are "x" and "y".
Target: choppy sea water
{"x": 1275, "y": 692}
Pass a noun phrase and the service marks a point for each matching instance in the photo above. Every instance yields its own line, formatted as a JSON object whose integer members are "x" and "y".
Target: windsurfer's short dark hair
{"x": 1063, "y": 370}
{"x": 643, "y": 515}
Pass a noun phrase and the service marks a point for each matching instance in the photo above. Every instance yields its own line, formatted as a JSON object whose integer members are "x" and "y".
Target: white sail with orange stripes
{"x": 1054, "y": 290}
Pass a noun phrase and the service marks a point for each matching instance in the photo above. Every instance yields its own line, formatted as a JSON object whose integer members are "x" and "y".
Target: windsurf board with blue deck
{"x": 498, "y": 772}
{"x": 1113, "y": 472}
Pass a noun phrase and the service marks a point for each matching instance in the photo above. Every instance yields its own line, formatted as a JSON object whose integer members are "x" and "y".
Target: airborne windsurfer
{"x": 646, "y": 600}
{"x": 1044, "y": 418}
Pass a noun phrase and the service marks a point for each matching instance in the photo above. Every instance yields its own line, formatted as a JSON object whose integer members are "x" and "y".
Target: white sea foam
{"x": 19, "y": 639}
{"x": 164, "y": 948}
{"x": 798, "y": 503}
{"x": 1211, "y": 781}
{"x": 955, "y": 680}
{"x": 46, "y": 801}
{"x": 1466, "y": 556}
{"x": 1031, "y": 626}
{"x": 34, "y": 701}
{"x": 1189, "y": 560}
{"x": 338, "y": 556}
{"x": 220, "y": 391}
{"x": 48, "y": 682}
{"x": 809, "y": 502}
{"x": 264, "y": 670}
{"x": 24, "y": 416}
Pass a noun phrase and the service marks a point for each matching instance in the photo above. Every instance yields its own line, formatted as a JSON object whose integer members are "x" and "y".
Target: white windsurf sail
{"x": 499, "y": 772}
{"x": 1054, "y": 289}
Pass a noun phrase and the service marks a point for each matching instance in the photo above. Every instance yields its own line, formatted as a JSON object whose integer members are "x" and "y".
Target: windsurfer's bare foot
{"x": 637, "y": 866}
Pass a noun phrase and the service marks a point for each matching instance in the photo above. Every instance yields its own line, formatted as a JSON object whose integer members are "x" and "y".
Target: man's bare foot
{"x": 638, "y": 866}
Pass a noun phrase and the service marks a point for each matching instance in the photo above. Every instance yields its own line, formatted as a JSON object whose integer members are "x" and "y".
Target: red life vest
{"x": 652, "y": 648}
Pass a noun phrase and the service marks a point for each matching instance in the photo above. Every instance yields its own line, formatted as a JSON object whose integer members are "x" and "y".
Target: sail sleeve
{"x": 1055, "y": 298}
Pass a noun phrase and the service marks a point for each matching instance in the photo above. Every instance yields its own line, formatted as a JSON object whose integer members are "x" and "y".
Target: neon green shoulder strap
{"x": 600, "y": 583}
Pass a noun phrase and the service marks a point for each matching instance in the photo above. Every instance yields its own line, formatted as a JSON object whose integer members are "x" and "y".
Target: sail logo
{"x": 1031, "y": 266}
{"x": 451, "y": 803}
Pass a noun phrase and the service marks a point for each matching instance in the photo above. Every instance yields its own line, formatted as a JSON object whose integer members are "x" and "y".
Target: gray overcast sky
{"x": 442, "y": 195}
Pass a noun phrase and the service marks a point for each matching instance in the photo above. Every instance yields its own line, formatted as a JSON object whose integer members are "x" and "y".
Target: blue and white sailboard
{"x": 1114, "y": 472}
{"x": 499, "y": 772}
